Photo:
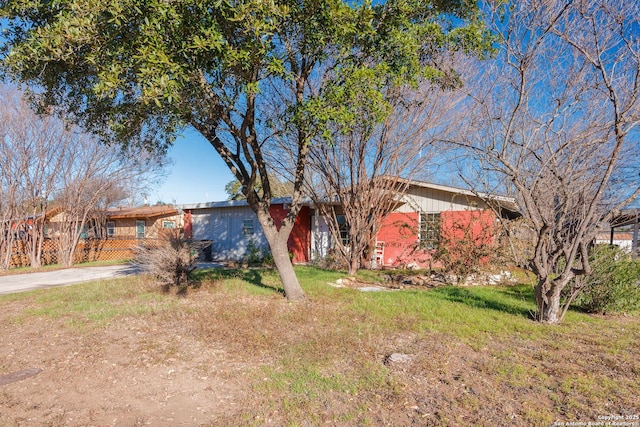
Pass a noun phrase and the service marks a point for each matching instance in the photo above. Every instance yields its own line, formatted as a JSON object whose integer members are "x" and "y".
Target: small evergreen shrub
{"x": 254, "y": 256}
{"x": 614, "y": 285}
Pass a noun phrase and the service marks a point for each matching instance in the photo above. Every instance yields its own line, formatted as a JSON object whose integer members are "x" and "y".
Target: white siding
{"x": 420, "y": 199}
{"x": 223, "y": 227}
{"x": 320, "y": 237}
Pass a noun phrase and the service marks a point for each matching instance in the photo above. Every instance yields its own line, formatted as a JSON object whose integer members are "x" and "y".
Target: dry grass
{"x": 476, "y": 358}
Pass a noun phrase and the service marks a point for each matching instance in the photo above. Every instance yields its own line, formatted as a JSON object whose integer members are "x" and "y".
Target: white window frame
{"x": 144, "y": 228}
{"x": 248, "y": 227}
{"x": 172, "y": 224}
{"x": 111, "y": 228}
{"x": 429, "y": 229}
{"x": 343, "y": 228}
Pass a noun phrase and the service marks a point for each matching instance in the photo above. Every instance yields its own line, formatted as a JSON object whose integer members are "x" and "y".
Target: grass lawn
{"x": 474, "y": 355}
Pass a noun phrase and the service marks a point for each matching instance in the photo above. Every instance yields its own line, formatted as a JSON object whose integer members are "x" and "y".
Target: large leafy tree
{"x": 278, "y": 188}
{"x": 139, "y": 71}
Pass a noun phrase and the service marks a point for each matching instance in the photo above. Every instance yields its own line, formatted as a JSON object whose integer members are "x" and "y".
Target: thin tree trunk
{"x": 354, "y": 256}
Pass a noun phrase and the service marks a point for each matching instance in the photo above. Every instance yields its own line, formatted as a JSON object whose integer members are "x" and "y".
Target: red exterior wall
{"x": 466, "y": 232}
{"x": 188, "y": 225}
{"x": 299, "y": 241}
{"x": 477, "y": 225}
{"x": 399, "y": 232}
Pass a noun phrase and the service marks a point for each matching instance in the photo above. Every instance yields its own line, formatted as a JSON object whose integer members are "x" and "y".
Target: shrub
{"x": 613, "y": 287}
{"x": 255, "y": 254}
{"x": 171, "y": 262}
{"x": 467, "y": 243}
{"x": 332, "y": 261}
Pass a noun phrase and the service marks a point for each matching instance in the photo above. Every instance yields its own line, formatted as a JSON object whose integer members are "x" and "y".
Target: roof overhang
{"x": 143, "y": 212}
{"x": 238, "y": 203}
{"x": 625, "y": 217}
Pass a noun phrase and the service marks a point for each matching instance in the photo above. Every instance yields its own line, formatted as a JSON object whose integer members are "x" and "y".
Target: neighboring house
{"x": 137, "y": 222}
{"x": 409, "y": 235}
{"x": 233, "y": 229}
{"x": 623, "y": 240}
{"x": 114, "y": 234}
{"x": 142, "y": 222}
{"x": 625, "y": 218}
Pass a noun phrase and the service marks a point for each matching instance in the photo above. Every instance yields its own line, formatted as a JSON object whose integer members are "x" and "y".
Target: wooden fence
{"x": 87, "y": 250}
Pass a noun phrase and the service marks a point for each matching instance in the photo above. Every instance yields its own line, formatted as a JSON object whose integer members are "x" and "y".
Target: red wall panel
{"x": 299, "y": 241}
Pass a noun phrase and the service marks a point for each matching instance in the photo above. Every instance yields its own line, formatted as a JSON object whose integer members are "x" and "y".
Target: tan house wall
{"x": 126, "y": 227}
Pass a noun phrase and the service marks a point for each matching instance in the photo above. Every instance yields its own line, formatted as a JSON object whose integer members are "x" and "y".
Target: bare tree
{"x": 9, "y": 182}
{"x": 33, "y": 150}
{"x": 45, "y": 162}
{"x": 553, "y": 119}
{"x": 94, "y": 178}
{"x": 360, "y": 177}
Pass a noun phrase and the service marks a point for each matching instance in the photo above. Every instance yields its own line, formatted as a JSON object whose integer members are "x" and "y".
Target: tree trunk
{"x": 35, "y": 250}
{"x": 277, "y": 238}
{"x": 548, "y": 301}
{"x": 292, "y": 289}
{"x": 355, "y": 251}
{"x": 353, "y": 268}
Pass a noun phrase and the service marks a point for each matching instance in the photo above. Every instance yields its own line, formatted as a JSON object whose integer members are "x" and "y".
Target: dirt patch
{"x": 19, "y": 376}
{"x": 133, "y": 372}
{"x": 227, "y": 358}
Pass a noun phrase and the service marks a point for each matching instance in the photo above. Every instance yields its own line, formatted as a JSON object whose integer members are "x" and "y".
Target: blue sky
{"x": 197, "y": 174}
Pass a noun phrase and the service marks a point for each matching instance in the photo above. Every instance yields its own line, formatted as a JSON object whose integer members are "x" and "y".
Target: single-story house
{"x": 233, "y": 228}
{"x": 124, "y": 222}
{"x": 409, "y": 234}
{"x": 142, "y": 222}
{"x": 430, "y": 213}
{"x": 623, "y": 240}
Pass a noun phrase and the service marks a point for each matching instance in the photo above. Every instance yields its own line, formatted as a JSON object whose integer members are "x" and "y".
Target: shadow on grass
{"x": 252, "y": 276}
{"x": 201, "y": 275}
{"x": 255, "y": 277}
{"x": 512, "y": 303}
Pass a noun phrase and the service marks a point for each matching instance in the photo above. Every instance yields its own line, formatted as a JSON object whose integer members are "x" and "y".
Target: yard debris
{"x": 394, "y": 282}
{"x": 397, "y": 359}
{"x": 19, "y": 375}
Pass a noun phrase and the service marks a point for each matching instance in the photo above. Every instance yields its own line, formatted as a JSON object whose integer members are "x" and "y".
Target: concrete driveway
{"x": 28, "y": 281}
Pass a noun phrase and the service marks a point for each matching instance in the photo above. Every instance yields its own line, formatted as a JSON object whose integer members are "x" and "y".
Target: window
{"x": 169, "y": 224}
{"x": 247, "y": 227}
{"x": 429, "y": 235}
{"x": 140, "y": 229}
{"x": 111, "y": 228}
{"x": 84, "y": 232}
{"x": 344, "y": 229}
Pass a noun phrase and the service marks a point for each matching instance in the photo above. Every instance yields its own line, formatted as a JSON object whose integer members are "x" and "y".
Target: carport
{"x": 625, "y": 218}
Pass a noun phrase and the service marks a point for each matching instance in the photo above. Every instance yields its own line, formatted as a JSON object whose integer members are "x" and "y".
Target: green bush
{"x": 259, "y": 256}
{"x": 614, "y": 286}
